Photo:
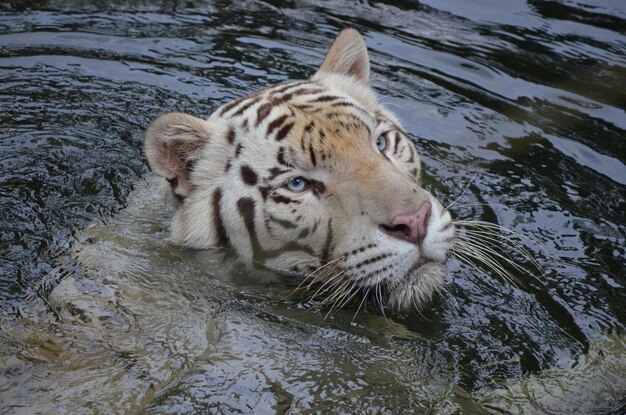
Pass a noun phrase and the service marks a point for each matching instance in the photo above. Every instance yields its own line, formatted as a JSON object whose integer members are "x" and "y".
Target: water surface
{"x": 520, "y": 102}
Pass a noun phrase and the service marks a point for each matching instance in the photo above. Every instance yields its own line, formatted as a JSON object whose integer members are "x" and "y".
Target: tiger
{"x": 309, "y": 178}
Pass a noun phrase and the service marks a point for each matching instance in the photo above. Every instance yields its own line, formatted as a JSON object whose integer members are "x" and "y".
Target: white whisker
{"x": 380, "y": 302}
{"x": 489, "y": 262}
{"x": 463, "y": 192}
{"x": 479, "y": 240}
{"x": 362, "y": 302}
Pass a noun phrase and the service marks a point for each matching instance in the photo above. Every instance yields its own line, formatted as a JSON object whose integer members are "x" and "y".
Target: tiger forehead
{"x": 298, "y": 103}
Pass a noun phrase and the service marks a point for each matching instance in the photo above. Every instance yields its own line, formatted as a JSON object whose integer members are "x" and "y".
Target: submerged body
{"x": 309, "y": 178}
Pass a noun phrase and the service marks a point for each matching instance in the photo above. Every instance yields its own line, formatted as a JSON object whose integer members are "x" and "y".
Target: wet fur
{"x": 231, "y": 171}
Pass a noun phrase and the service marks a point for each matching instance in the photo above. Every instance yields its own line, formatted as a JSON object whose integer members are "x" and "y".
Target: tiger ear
{"x": 172, "y": 144}
{"x": 347, "y": 56}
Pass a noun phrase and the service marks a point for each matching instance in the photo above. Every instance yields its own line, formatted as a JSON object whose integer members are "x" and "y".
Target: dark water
{"x": 525, "y": 99}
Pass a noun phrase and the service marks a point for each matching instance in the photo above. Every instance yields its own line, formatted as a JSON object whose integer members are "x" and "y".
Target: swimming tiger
{"x": 309, "y": 178}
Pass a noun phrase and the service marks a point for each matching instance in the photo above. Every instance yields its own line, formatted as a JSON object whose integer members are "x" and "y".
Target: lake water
{"x": 521, "y": 102}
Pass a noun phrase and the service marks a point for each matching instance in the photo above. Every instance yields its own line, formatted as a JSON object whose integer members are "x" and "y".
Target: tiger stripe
{"x": 323, "y": 130}
{"x": 274, "y": 124}
{"x": 218, "y": 222}
{"x": 282, "y": 133}
{"x": 248, "y": 175}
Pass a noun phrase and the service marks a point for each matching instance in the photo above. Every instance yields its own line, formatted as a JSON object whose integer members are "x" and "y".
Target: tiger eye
{"x": 382, "y": 143}
{"x": 298, "y": 184}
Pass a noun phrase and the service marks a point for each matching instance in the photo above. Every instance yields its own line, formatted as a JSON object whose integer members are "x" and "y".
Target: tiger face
{"x": 309, "y": 176}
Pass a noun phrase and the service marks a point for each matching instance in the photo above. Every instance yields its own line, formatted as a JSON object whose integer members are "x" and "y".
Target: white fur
{"x": 360, "y": 187}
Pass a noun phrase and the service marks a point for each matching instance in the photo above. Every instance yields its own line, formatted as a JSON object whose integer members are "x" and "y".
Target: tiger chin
{"x": 310, "y": 178}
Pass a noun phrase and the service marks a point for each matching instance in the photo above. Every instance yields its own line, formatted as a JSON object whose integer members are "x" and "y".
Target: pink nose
{"x": 410, "y": 226}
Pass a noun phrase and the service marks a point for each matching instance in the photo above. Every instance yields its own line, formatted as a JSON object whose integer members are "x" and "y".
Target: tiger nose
{"x": 410, "y": 226}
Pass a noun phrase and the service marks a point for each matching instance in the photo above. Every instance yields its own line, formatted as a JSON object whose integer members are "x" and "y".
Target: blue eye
{"x": 382, "y": 143}
{"x": 298, "y": 184}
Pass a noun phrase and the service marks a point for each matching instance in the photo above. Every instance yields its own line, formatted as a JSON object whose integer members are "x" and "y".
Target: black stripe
{"x": 231, "y": 105}
{"x": 355, "y": 106}
{"x": 276, "y": 123}
{"x": 307, "y": 108}
{"x": 230, "y": 136}
{"x": 246, "y": 208}
{"x": 262, "y": 112}
{"x": 283, "y": 199}
{"x": 371, "y": 260}
{"x": 328, "y": 244}
{"x": 238, "y": 150}
{"x": 307, "y": 132}
{"x": 395, "y": 145}
{"x": 218, "y": 223}
{"x": 280, "y": 157}
{"x": 359, "y": 121}
{"x": 279, "y": 89}
{"x": 282, "y": 133}
{"x": 248, "y": 175}
{"x": 283, "y": 98}
{"x": 312, "y": 155}
{"x": 282, "y": 222}
{"x": 274, "y": 172}
{"x": 246, "y": 106}
{"x": 264, "y": 191}
{"x": 304, "y": 233}
{"x": 358, "y": 250}
{"x": 317, "y": 187}
{"x": 309, "y": 127}
{"x": 375, "y": 272}
{"x": 324, "y": 98}
{"x": 307, "y": 91}
{"x": 344, "y": 104}
{"x": 412, "y": 151}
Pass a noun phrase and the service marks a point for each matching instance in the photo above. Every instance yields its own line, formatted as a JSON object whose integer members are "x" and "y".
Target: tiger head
{"x": 309, "y": 176}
